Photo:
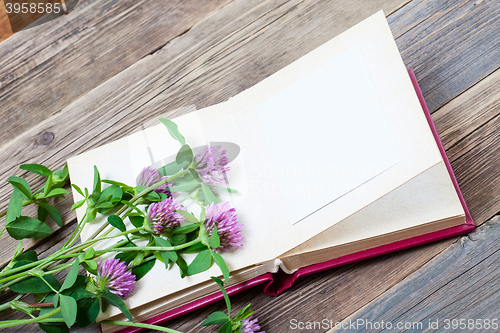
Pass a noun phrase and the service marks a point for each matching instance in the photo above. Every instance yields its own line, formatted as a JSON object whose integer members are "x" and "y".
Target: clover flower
{"x": 228, "y": 228}
{"x": 210, "y": 163}
{"x": 112, "y": 276}
{"x": 162, "y": 215}
{"x": 150, "y": 176}
{"x": 250, "y": 325}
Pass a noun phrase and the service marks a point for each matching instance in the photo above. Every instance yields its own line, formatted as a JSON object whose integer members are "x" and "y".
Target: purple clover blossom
{"x": 228, "y": 227}
{"x": 150, "y": 176}
{"x": 249, "y": 325}
{"x": 162, "y": 215}
{"x": 210, "y": 163}
{"x": 112, "y": 276}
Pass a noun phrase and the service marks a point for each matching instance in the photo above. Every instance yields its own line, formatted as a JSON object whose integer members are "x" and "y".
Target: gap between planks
{"x": 157, "y": 82}
{"x": 383, "y": 263}
{"x": 455, "y": 284}
{"x": 45, "y": 68}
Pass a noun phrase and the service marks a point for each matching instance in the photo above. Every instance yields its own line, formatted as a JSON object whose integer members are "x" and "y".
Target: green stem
{"x": 42, "y": 264}
{"x": 80, "y": 247}
{"x": 13, "y": 277}
{"x": 60, "y": 268}
{"x": 67, "y": 256}
{"x": 45, "y": 318}
{"x": 76, "y": 233}
{"x": 112, "y": 236}
{"x": 143, "y": 261}
{"x": 91, "y": 242}
{"x": 107, "y": 232}
{"x": 25, "y": 203}
{"x": 4, "y": 306}
{"x": 56, "y": 257}
{"x": 151, "y": 327}
{"x": 19, "y": 269}
{"x": 150, "y": 248}
{"x": 138, "y": 196}
{"x": 20, "y": 273}
{"x": 24, "y": 269}
{"x": 124, "y": 210}
{"x": 120, "y": 243}
{"x": 48, "y": 284}
{"x": 20, "y": 278}
{"x": 154, "y": 186}
{"x": 38, "y": 191}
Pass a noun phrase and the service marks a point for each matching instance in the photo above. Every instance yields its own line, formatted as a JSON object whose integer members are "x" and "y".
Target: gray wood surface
{"x": 115, "y": 66}
{"x": 447, "y": 288}
{"x": 46, "y": 68}
{"x": 466, "y": 35}
{"x": 218, "y": 58}
{"x": 471, "y": 136}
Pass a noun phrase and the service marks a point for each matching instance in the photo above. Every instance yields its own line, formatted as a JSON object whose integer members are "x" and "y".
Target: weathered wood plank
{"x": 467, "y": 112}
{"x": 454, "y": 46}
{"x": 43, "y": 69}
{"x": 333, "y": 294}
{"x": 479, "y": 107}
{"x": 306, "y": 300}
{"x": 481, "y": 110}
{"x": 206, "y": 98}
{"x": 459, "y": 284}
{"x": 346, "y": 288}
{"x": 216, "y": 59}
{"x": 476, "y": 162}
{"x": 46, "y": 136}
{"x": 469, "y": 128}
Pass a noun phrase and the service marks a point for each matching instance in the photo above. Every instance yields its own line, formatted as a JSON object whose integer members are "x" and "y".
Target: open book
{"x": 332, "y": 155}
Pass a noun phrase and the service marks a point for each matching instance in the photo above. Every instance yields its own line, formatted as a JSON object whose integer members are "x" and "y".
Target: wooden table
{"x": 110, "y": 67}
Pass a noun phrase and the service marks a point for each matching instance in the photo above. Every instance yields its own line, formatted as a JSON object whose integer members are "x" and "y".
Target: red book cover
{"x": 275, "y": 284}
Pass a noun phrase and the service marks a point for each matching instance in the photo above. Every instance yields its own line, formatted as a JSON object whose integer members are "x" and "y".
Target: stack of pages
{"x": 332, "y": 155}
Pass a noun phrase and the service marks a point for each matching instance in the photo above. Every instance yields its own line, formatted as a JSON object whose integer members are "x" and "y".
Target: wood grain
{"x": 469, "y": 128}
{"x": 467, "y": 112}
{"x": 173, "y": 77}
{"x": 43, "y": 69}
{"x": 333, "y": 294}
{"x": 204, "y": 66}
{"x": 450, "y": 286}
{"x": 345, "y": 288}
{"x": 246, "y": 41}
{"x": 452, "y": 48}
{"x": 476, "y": 167}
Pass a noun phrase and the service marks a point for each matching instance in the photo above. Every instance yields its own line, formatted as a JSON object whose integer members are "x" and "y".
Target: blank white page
{"x": 324, "y": 138}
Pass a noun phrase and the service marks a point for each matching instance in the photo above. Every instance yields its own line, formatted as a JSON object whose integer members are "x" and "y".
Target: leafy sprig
{"x": 19, "y": 226}
{"x": 228, "y": 323}
{"x": 78, "y": 300}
